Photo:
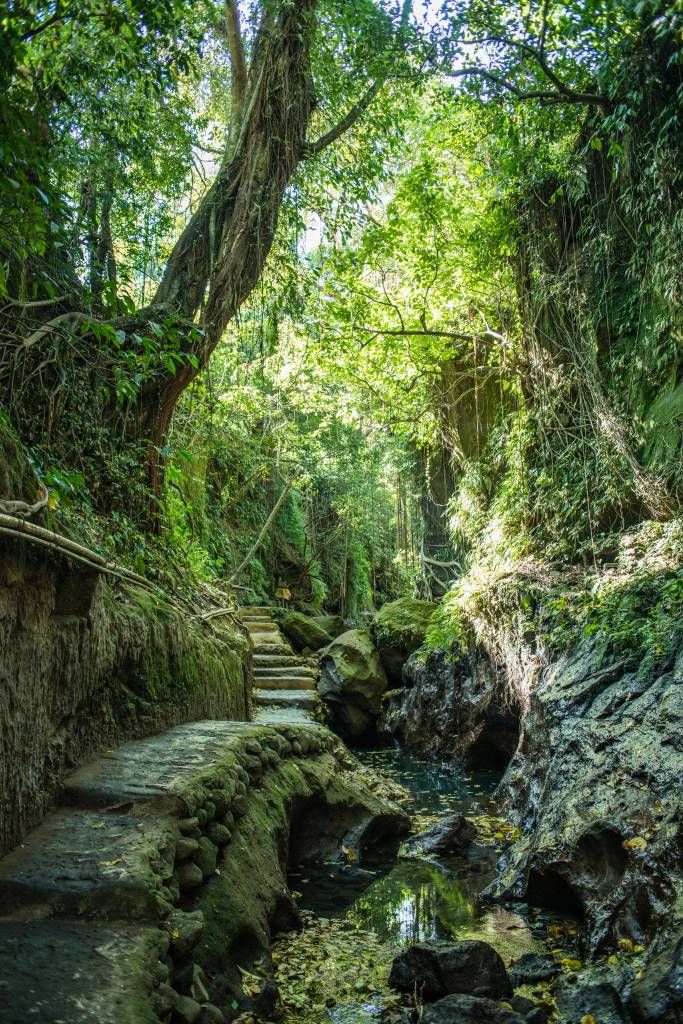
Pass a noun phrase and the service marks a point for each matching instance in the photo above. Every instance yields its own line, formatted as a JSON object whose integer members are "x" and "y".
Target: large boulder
{"x": 399, "y": 628}
{"x": 452, "y": 707}
{"x": 437, "y": 969}
{"x": 351, "y": 683}
{"x": 303, "y": 632}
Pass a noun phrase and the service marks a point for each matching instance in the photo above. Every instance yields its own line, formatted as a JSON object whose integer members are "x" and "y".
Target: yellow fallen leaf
{"x": 588, "y": 1018}
{"x": 637, "y": 843}
{"x": 626, "y": 944}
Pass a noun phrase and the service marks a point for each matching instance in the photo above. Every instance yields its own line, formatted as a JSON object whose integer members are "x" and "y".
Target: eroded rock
{"x": 451, "y": 708}
{"x": 596, "y": 791}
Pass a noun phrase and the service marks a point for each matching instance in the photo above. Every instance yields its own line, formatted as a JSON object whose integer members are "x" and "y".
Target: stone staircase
{"x": 285, "y": 681}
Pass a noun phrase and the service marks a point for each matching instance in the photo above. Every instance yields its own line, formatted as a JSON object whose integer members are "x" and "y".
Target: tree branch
{"x": 562, "y": 94}
{"x": 314, "y": 148}
{"x": 266, "y": 526}
{"x": 237, "y": 60}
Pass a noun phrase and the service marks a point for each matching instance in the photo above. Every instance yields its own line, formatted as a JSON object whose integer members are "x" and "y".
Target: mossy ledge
{"x": 163, "y": 871}
{"x": 86, "y": 665}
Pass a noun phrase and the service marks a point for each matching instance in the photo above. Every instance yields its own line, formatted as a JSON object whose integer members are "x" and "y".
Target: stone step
{"x": 297, "y": 669}
{"x": 271, "y": 648}
{"x": 78, "y": 973}
{"x": 287, "y": 698}
{"x": 288, "y": 683}
{"x": 273, "y": 660}
{"x": 265, "y": 626}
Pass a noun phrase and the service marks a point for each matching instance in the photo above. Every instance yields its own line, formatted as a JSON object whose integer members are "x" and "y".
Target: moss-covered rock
{"x": 399, "y": 629}
{"x": 352, "y": 682}
{"x": 304, "y": 632}
{"x": 332, "y": 624}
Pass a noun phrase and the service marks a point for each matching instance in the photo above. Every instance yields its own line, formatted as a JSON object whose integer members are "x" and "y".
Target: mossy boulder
{"x": 304, "y": 632}
{"x": 352, "y": 682}
{"x": 332, "y": 624}
{"x": 399, "y": 628}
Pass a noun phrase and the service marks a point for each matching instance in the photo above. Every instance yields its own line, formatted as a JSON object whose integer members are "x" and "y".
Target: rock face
{"x": 304, "y": 632}
{"x": 437, "y": 969}
{"x": 352, "y": 682}
{"x": 450, "y": 835}
{"x": 451, "y": 708}
{"x": 596, "y": 790}
{"x": 399, "y": 628}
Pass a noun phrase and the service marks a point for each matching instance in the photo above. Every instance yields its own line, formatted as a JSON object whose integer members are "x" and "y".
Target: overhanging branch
{"x": 314, "y": 148}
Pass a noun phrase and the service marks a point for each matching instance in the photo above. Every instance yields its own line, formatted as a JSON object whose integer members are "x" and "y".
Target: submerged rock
{"x": 463, "y": 1009}
{"x": 451, "y": 834}
{"x": 451, "y": 708}
{"x": 533, "y": 967}
{"x": 399, "y": 628}
{"x": 352, "y": 682}
{"x": 437, "y": 969}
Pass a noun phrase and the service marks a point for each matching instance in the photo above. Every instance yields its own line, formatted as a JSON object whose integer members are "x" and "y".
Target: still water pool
{"x": 361, "y": 916}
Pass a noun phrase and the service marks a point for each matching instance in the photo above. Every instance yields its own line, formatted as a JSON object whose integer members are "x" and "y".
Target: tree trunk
{"x": 221, "y": 253}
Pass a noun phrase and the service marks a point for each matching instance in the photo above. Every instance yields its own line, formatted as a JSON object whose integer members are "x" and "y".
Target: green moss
{"x": 405, "y": 621}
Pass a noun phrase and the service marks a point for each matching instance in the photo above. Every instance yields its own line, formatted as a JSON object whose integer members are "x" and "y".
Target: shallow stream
{"x": 357, "y": 918}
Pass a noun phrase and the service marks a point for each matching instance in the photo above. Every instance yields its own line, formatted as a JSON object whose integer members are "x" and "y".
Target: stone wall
{"x": 84, "y": 664}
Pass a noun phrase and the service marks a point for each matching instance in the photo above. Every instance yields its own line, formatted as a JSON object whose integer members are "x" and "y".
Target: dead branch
{"x": 23, "y": 509}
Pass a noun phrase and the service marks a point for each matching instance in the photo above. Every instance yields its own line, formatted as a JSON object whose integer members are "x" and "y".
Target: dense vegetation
{"x": 402, "y": 287}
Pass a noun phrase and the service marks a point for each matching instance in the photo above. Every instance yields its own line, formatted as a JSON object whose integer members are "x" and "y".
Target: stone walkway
{"x": 285, "y": 681}
{"x": 88, "y": 926}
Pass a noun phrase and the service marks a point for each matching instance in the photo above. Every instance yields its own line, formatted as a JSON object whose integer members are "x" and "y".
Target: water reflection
{"x": 437, "y": 789}
{"x": 414, "y": 902}
{"x": 408, "y": 901}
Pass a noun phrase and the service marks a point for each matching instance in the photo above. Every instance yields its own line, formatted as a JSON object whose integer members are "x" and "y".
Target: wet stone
{"x": 189, "y": 875}
{"x": 188, "y": 826}
{"x": 186, "y": 1010}
{"x": 165, "y": 999}
{"x": 533, "y": 967}
{"x": 437, "y": 969}
{"x": 206, "y": 857}
{"x": 218, "y": 834}
{"x": 185, "y": 931}
{"x": 464, "y": 1009}
{"x": 210, "y": 1014}
{"x": 186, "y": 848}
